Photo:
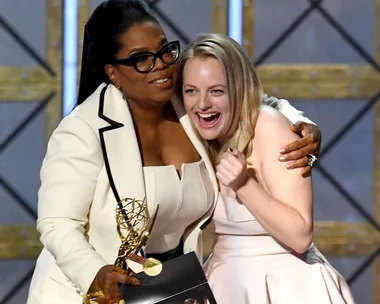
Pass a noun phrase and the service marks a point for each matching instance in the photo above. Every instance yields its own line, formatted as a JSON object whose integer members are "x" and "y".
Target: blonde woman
{"x": 264, "y": 214}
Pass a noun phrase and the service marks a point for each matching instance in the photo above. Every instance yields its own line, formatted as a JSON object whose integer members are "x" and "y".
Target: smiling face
{"x": 206, "y": 97}
{"x": 146, "y": 89}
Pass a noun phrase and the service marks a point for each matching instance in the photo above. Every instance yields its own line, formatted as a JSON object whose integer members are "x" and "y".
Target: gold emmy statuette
{"x": 134, "y": 227}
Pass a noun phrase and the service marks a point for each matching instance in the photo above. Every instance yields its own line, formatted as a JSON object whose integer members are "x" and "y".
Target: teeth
{"x": 161, "y": 80}
{"x": 207, "y": 115}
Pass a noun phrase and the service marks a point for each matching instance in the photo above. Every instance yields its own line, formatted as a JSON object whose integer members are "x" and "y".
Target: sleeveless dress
{"x": 248, "y": 266}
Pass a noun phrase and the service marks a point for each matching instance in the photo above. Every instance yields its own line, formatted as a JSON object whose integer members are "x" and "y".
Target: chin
{"x": 207, "y": 135}
{"x": 162, "y": 97}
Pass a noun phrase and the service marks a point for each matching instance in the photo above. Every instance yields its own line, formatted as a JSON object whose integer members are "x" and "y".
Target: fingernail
{"x": 282, "y": 150}
{"x": 281, "y": 158}
{"x": 288, "y": 166}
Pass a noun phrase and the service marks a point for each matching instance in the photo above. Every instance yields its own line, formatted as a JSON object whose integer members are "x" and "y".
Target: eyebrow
{"x": 145, "y": 49}
{"x": 217, "y": 85}
{"x": 212, "y": 87}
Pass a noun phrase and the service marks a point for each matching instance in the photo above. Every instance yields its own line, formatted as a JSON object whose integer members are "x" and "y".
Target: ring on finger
{"x": 312, "y": 160}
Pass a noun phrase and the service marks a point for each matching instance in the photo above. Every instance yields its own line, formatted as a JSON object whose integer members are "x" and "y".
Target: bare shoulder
{"x": 270, "y": 117}
{"x": 273, "y": 127}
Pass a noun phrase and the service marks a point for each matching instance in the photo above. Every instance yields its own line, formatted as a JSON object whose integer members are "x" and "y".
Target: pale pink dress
{"x": 249, "y": 267}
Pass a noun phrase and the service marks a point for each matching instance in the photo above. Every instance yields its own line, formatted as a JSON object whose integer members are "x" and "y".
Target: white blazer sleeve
{"x": 286, "y": 109}
{"x": 68, "y": 178}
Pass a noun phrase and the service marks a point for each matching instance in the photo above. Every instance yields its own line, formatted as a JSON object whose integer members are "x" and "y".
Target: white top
{"x": 182, "y": 201}
{"x": 231, "y": 217}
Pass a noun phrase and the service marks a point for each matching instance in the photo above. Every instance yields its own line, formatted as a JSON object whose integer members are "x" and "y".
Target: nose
{"x": 204, "y": 103}
{"x": 159, "y": 64}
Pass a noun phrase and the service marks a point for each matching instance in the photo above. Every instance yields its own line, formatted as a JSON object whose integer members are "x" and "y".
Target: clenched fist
{"x": 232, "y": 170}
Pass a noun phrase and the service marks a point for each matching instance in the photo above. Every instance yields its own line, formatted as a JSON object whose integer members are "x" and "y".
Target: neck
{"x": 147, "y": 115}
{"x": 222, "y": 140}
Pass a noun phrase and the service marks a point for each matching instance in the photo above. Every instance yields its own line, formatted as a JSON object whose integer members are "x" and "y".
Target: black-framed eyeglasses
{"x": 143, "y": 62}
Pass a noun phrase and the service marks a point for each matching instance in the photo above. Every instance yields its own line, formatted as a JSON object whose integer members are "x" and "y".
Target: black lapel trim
{"x": 205, "y": 224}
{"x": 113, "y": 125}
{"x": 116, "y": 125}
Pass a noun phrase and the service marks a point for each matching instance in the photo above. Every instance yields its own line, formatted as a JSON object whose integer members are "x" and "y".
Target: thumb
{"x": 237, "y": 154}
{"x": 233, "y": 151}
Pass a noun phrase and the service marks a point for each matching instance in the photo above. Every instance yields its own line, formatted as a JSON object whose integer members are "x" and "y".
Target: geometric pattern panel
{"x": 183, "y": 20}
{"x": 178, "y": 25}
{"x": 361, "y": 288}
{"x": 13, "y": 211}
{"x": 320, "y": 45}
{"x": 12, "y": 114}
{"x": 14, "y": 288}
{"x": 17, "y": 15}
{"x": 21, "y": 151}
{"x": 350, "y": 163}
{"x": 30, "y": 109}
{"x": 21, "y": 157}
{"x": 314, "y": 40}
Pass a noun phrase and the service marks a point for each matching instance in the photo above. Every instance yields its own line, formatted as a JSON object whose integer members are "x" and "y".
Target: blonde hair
{"x": 244, "y": 88}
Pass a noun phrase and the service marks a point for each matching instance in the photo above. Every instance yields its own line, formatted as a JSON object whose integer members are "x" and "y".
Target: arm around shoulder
{"x": 287, "y": 110}
{"x": 68, "y": 179}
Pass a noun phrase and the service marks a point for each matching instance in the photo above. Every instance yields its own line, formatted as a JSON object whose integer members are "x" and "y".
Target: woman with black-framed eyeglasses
{"x": 127, "y": 138}
{"x": 144, "y": 62}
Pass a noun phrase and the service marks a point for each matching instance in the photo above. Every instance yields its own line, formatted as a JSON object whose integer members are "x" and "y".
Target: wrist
{"x": 250, "y": 182}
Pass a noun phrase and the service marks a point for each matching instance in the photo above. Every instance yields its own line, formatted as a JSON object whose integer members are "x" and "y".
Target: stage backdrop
{"x": 322, "y": 55}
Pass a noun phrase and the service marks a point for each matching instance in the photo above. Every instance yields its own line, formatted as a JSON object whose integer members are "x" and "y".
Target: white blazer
{"x": 92, "y": 160}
